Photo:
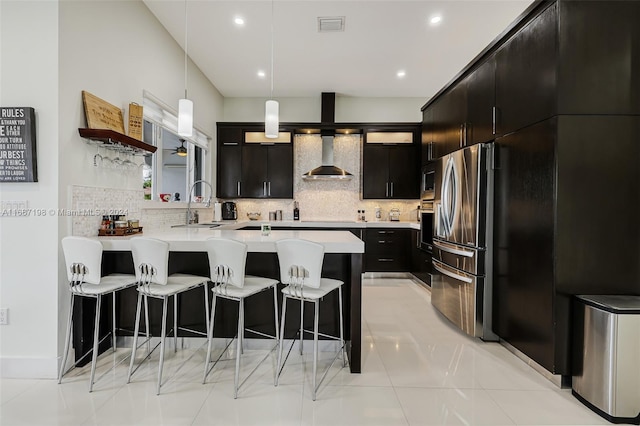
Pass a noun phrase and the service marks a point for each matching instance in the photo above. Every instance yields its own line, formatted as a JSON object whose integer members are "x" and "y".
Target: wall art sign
{"x": 18, "y": 160}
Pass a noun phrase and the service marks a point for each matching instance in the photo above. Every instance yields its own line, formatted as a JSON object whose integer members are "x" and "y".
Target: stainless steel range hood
{"x": 327, "y": 171}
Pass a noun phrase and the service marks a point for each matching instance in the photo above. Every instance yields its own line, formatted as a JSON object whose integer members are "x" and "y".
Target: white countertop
{"x": 192, "y": 239}
{"x": 236, "y": 224}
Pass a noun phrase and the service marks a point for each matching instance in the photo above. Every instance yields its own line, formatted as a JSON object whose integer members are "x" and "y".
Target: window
{"x": 178, "y": 162}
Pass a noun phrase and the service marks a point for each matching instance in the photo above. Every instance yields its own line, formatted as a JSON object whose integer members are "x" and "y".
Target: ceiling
{"x": 379, "y": 39}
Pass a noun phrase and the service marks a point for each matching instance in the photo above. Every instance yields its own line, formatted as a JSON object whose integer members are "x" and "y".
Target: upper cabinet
{"x": 599, "y": 48}
{"x": 525, "y": 83}
{"x": 391, "y": 165}
{"x": 251, "y": 166}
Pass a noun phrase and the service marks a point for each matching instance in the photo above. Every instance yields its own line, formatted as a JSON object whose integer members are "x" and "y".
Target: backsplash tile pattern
{"x": 85, "y": 198}
{"x": 327, "y": 200}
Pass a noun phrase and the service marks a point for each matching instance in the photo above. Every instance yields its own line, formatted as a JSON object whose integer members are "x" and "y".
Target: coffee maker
{"x": 229, "y": 211}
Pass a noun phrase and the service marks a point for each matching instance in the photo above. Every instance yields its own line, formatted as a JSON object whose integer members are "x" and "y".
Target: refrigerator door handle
{"x": 448, "y": 249}
{"x": 451, "y": 274}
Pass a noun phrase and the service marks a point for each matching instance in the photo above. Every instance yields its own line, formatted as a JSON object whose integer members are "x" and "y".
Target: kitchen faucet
{"x": 192, "y": 218}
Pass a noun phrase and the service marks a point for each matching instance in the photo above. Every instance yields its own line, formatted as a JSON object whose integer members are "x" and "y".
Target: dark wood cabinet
{"x": 229, "y": 163}
{"x": 420, "y": 259}
{"x": 427, "y": 146}
{"x": 480, "y": 119}
{"x": 525, "y": 77}
{"x": 267, "y": 171}
{"x": 390, "y": 171}
{"x": 599, "y": 48}
{"x": 252, "y": 170}
{"x": 386, "y": 250}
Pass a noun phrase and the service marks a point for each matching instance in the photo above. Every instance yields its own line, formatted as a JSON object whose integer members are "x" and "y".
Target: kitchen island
{"x": 343, "y": 261}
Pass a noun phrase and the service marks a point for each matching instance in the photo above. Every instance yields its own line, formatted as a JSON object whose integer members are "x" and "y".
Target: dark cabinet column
{"x": 481, "y": 100}
{"x": 229, "y": 162}
{"x": 254, "y": 171}
{"x": 526, "y": 74}
{"x": 524, "y": 227}
{"x": 427, "y": 146}
{"x": 404, "y": 173}
{"x": 280, "y": 171}
{"x": 375, "y": 172}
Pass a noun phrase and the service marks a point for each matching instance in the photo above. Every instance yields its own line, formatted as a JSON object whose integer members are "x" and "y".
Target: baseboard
{"x": 28, "y": 368}
{"x": 556, "y": 379}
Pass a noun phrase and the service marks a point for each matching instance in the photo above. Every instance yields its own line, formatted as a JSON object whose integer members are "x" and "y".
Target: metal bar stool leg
{"x": 147, "y": 325}
{"x": 281, "y": 344}
{"x": 301, "y": 324}
{"x": 344, "y": 346}
{"x": 239, "y": 349}
{"x": 175, "y": 323}
{"x": 209, "y": 338}
{"x": 165, "y": 302}
{"x": 67, "y": 342}
{"x": 135, "y": 335}
{"x": 315, "y": 344}
{"x": 96, "y": 341}
{"x": 113, "y": 317}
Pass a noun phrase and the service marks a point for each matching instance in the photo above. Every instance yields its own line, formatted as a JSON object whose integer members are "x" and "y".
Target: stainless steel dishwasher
{"x": 608, "y": 379}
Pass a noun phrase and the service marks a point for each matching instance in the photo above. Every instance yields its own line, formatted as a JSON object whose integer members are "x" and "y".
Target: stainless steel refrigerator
{"x": 461, "y": 285}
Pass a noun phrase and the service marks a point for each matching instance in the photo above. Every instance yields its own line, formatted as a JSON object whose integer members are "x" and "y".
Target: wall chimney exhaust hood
{"x": 327, "y": 171}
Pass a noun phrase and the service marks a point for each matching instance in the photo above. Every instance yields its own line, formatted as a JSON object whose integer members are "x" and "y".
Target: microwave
{"x": 428, "y": 182}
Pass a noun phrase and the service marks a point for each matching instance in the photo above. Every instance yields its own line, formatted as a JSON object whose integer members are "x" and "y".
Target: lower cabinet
{"x": 420, "y": 259}
{"x": 386, "y": 250}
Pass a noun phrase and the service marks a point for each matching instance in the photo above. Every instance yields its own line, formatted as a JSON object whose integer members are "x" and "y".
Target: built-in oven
{"x": 426, "y": 226}
{"x": 428, "y": 182}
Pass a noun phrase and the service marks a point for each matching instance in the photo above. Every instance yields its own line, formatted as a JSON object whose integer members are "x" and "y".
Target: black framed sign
{"x": 18, "y": 161}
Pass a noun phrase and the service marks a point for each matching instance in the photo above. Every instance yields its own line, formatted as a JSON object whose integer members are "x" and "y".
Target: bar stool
{"x": 151, "y": 262}
{"x": 83, "y": 259}
{"x": 227, "y": 260}
{"x": 301, "y": 267}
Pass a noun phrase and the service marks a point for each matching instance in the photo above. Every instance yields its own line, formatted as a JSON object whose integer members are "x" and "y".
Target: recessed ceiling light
{"x": 435, "y": 19}
{"x": 261, "y": 74}
{"x": 239, "y": 21}
{"x": 401, "y": 74}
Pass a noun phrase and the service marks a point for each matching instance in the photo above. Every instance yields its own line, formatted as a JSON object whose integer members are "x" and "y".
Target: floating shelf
{"x": 111, "y": 139}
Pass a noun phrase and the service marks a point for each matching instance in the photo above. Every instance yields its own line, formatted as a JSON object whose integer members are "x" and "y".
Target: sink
{"x": 198, "y": 225}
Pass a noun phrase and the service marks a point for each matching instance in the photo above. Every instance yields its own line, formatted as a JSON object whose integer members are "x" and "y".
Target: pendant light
{"x": 185, "y": 106}
{"x": 271, "y": 108}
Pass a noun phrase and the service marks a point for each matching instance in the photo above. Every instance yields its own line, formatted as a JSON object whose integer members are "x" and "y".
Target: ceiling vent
{"x": 330, "y": 24}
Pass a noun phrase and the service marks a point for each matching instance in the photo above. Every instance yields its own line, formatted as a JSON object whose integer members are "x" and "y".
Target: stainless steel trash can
{"x": 608, "y": 381}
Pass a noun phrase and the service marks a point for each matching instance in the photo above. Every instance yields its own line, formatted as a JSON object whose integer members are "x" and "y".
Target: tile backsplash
{"x": 319, "y": 200}
{"x": 327, "y": 200}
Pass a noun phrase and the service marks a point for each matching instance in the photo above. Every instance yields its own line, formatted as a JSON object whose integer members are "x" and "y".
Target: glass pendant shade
{"x": 271, "y": 119}
{"x": 185, "y": 117}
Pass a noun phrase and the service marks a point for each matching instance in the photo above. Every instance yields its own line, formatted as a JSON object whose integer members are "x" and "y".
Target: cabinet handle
{"x": 384, "y": 259}
{"x": 238, "y": 188}
{"x": 386, "y": 189}
{"x": 494, "y": 114}
{"x": 461, "y": 131}
{"x": 386, "y": 232}
{"x": 269, "y": 188}
{"x": 381, "y": 241}
{"x": 264, "y": 189}
{"x": 392, "y": 189}
{"x": 230, "y": 143}
{"x": 430, "y": 151}
{"x": 466, "y": 134}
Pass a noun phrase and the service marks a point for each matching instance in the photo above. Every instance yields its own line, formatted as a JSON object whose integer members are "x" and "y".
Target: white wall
{"x": 348, "y": 109}
{"x": 114, "y": 50}
{"x": 29, "y": 245}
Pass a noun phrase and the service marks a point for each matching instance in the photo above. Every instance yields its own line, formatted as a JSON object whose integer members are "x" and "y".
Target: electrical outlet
{"x": 4, "y": 316}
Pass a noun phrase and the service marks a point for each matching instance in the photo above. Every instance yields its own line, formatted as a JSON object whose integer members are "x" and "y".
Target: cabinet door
{"x": 524, "y": 287}
{"x": 404, "y": 172}
{"x": 600, "y": 57}
{"x": 427, "y": 153}
{"x": 280, "y": 168}
{"x": 375, "y": 172}
{"x": 254, "y": 171}
{"x": 449, "y": 117}
{"x": 229, "y": 162}
{"x": 526, "y": 74}
{"x": 420, "y": 260}
{"x": 480, "y": 103}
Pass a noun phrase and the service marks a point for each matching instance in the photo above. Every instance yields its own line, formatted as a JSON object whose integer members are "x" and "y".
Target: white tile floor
{"x": 417, "y": 369}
